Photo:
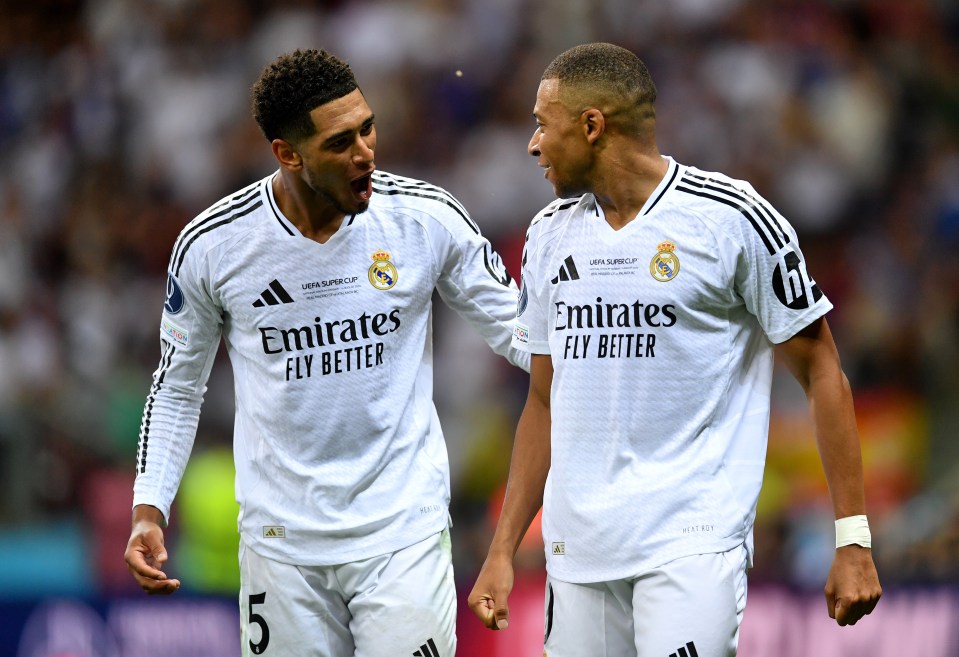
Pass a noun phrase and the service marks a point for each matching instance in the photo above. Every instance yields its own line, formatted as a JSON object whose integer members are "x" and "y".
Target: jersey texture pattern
{"x": 339, "y": 453}
{"x": 661, "y": 337}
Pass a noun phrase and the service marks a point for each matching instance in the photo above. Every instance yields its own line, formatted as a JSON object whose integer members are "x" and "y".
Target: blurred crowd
{"x": 120, "y": 120}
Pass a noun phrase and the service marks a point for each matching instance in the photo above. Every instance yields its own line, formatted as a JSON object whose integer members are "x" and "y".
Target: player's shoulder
{"x": 233, "y": 206}
{"x": 731, "y": 205}
{"x": 549, "y": 224}
{"x": 222, "y": 221}
{"x": 421, "y": 200}
{"x": 717, "y": 193}
{"x": 555, "y": 215}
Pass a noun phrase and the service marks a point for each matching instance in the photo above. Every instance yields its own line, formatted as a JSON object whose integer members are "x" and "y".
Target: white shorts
{"x": 690, "y": 607}
{"x": 398, "y": 604}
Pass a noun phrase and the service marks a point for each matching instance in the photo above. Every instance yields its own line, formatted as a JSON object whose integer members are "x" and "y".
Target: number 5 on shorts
{"x": 260, "y": 646}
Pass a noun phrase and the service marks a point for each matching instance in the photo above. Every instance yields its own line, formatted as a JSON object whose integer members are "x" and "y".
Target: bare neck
{"x": 625, "y": 182}
{"x": 315, "y": 218}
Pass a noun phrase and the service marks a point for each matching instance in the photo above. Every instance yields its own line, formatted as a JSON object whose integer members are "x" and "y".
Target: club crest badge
{"x": 665, "y": 264}
{"x": 383, "y": 274}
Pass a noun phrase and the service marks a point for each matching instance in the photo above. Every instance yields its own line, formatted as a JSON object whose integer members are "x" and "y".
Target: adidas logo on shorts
{"x": 428, "y": 649}
{"x": 689, "y": 650}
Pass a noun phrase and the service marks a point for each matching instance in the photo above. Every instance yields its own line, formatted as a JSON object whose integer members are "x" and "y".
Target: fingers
{"x": 490, "y": 593}
{"x": 849, "y": 609}
{"x": 852, "y": 588}
{"x": 491, "y": 610}
{"x": 831, "y": 602}
{"x": 145, "y": 556}
{"x": 482, "y": 606}
{"x": 489, "y": 597}
{"x": 849, "y": 613}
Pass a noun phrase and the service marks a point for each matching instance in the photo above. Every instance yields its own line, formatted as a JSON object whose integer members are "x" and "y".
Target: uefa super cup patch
{"x": 382, "y": 273}
{"x": 174, "y": 332}
{"x": 665, "y": 264}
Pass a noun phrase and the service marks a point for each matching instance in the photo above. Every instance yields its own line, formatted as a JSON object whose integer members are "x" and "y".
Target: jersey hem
{"x": 319, "y": 553}
{"x": 644, "y": 567}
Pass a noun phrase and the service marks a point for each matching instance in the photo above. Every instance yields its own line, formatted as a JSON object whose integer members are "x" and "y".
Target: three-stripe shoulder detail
{"x": 390, "y": 185}
{"x": 755, "y": 210}
{"x": 556, "y": 206}
{"x": 237, "y": 206}
{"x": 165, "y": 361}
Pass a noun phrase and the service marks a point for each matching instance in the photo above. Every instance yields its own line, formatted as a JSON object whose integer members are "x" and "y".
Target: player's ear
{"x": 285, "y": 154}
{"x": 593, "y": 124}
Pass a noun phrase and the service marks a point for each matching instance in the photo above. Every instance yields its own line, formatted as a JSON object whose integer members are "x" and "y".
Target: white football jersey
{"x": 338, "y": 449}
{"x": 661, "y": 337}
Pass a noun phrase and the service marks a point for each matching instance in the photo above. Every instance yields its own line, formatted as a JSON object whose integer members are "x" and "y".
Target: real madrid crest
{"x": 665, "y": 264}
{"x": 383, "y": 274}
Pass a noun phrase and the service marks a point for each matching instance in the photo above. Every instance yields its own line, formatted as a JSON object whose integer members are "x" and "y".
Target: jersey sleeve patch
{"x": 173, "y": 332}
{"x": 520, "y": 333}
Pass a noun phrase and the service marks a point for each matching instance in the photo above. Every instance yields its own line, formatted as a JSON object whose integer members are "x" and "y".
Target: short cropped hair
{"x": 607, "y": 69}
{"x": 294, "y": 85}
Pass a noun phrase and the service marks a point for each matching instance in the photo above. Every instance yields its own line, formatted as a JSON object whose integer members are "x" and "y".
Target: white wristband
{"x": 854, "y": 529}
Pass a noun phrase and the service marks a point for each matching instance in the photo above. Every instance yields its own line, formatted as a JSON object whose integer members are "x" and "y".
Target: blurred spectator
{"x": 119, "y": 120}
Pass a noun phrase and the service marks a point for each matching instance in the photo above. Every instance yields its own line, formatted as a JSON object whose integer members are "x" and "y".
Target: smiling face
{"x": 336, "y": 162}
{"x": 560, "y": 143}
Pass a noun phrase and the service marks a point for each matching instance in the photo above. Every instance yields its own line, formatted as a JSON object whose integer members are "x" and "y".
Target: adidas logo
{"x": 273, "y": 296}
{"x": 567, "y": 271}
{"x": 428, "y": 649}
{"x": 689, "y": 650}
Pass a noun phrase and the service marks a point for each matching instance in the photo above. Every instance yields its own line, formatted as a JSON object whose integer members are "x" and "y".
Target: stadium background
{"x": 121, "y": 119}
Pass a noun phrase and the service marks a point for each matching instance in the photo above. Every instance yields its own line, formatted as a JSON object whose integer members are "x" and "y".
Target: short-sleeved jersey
{"x": 339, "y": 453}
{"x": 660, "y": 335}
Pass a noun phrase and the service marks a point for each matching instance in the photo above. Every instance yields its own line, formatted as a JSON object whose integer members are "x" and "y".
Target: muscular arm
{"x": 852, "y": 588}
{"x": 529, "y": 466}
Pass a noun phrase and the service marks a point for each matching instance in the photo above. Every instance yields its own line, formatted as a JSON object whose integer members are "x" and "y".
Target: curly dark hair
{"x": 606, "y": 67}
{"x": 292, "y": 86}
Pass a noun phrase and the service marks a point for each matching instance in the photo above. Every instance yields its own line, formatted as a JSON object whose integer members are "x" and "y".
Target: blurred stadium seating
{"x": 120, "y": 120}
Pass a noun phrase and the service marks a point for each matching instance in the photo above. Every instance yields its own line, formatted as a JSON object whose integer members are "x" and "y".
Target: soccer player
{"x": 654, "y": 296}
{"x": 319, "y": 279}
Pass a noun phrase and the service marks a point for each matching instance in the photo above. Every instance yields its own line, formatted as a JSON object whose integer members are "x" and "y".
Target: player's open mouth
{"x": 363, "y": 187}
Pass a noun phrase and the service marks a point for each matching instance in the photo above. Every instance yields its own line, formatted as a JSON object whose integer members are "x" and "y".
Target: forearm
{"x": 529, "y": 467}
{"x": 812, "y": 357}
{"x": 831, "y": 406}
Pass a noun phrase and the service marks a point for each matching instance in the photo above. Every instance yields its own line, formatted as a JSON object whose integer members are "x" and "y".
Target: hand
{"x": 491, "y": 592}
{"x": 852, "y": 588}
{"x": 145, "y": 555}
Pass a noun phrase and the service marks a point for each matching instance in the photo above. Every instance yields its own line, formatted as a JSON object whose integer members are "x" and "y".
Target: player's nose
{"x": 533, "y": 146}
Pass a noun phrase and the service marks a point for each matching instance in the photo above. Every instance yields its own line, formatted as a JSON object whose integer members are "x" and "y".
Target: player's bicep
{"x": 540, "y": 380}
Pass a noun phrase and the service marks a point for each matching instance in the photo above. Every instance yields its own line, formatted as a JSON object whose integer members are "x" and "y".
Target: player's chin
{"x": 360, "y": 206}
{"x": 353, "y": 204}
